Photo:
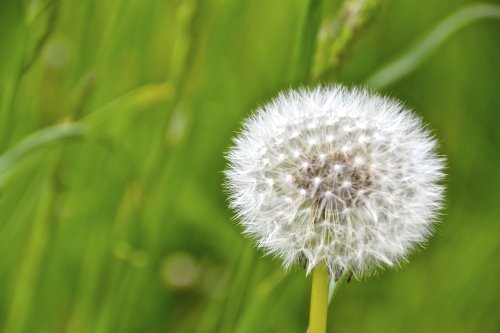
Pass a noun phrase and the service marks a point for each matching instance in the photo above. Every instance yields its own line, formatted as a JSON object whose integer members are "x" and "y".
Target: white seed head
{"x": 339, "y": 176}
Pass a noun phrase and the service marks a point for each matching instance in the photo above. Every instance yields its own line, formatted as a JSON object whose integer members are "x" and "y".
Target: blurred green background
{"x": 114, "y": 119}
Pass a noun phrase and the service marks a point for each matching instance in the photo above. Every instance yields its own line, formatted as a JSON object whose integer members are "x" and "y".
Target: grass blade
{"x": 413, "y": 58}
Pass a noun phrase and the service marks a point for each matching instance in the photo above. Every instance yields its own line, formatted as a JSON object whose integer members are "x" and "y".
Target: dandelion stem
{"x": 319, "y": 300}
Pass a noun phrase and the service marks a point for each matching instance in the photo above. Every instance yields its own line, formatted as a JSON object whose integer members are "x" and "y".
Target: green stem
{"x": 319, "y": 300}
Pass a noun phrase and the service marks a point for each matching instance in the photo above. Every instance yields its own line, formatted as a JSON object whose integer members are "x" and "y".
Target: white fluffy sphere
{"x": 339, "y": 176}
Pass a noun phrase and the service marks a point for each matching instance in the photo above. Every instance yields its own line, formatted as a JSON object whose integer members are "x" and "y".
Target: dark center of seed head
{"x": 335, "y": 177}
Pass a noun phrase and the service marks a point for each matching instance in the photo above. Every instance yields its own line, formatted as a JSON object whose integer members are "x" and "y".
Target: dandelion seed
{"x": 365, "y": 191}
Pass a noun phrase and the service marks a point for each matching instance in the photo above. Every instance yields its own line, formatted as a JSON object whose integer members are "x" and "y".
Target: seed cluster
{"x": 334, "y": 178}
{"x": 338, "y": 176}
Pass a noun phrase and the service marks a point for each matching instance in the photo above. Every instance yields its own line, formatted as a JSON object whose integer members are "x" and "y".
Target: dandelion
{"x": 341, "y": 179}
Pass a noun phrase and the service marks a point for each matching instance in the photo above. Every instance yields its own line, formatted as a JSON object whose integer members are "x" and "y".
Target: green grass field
{"x": 114, "y": 119}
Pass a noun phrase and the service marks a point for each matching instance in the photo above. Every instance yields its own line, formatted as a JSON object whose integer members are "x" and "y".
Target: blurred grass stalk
{"x": 415, "y": 56}
{"x": 36, "y": 246}
{"x": 336, "y": 35}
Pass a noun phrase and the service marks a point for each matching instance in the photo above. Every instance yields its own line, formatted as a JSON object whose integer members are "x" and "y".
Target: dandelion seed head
{"x": 344, "y": 177}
